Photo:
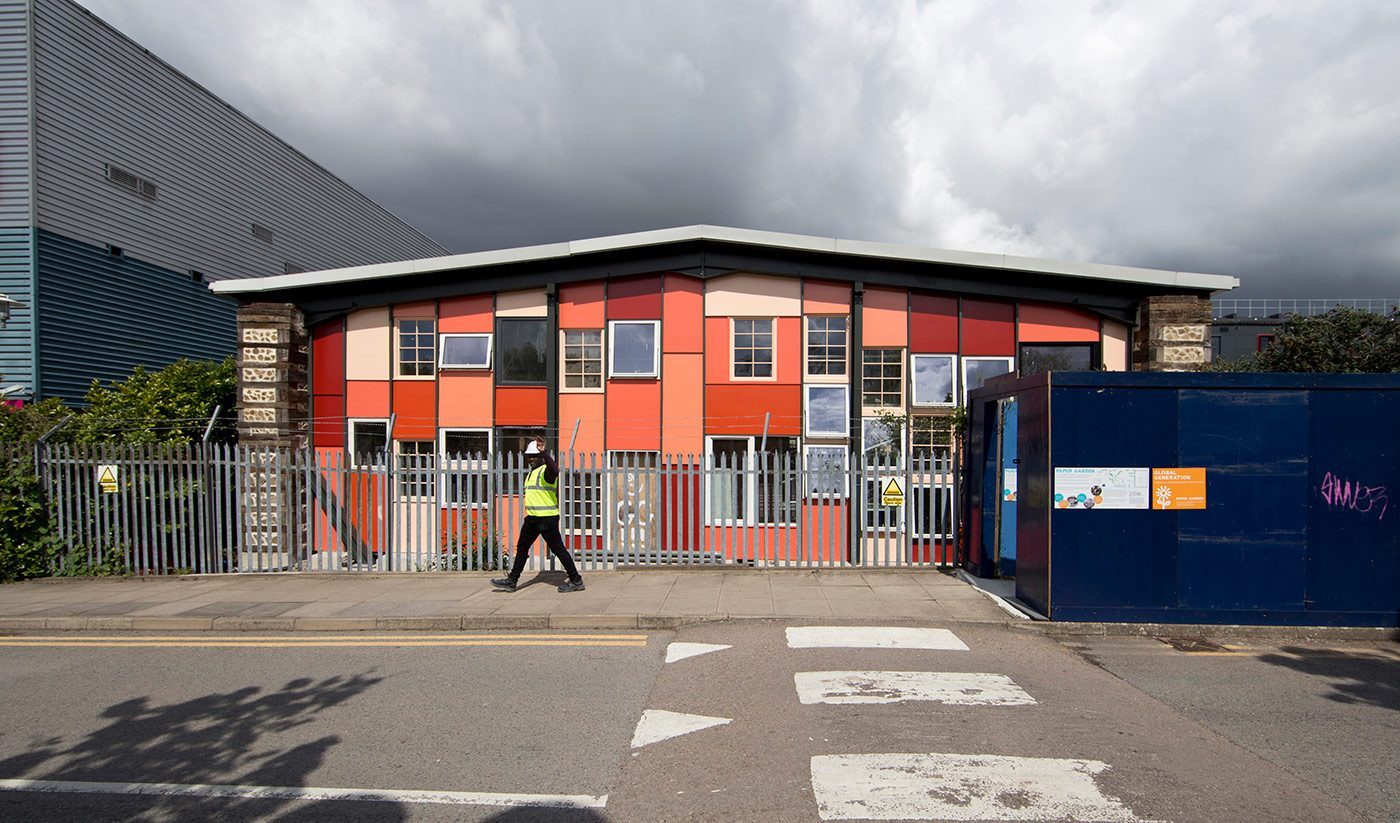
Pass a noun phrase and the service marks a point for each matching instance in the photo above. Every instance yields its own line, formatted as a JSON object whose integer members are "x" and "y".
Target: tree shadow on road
{"x": 1371, "y": 678}
{"x": 536, "y": 814}
{"x": 214, "y": 739}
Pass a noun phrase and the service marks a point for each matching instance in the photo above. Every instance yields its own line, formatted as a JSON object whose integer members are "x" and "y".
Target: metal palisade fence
{"x": 236, "y": 508}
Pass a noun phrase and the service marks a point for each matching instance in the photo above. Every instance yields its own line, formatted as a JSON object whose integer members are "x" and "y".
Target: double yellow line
{"x": 325, "y": 641}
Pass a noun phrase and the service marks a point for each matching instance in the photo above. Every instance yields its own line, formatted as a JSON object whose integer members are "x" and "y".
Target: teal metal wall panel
{"x": 16, "y": 336}
{"x": 101, "y": 316}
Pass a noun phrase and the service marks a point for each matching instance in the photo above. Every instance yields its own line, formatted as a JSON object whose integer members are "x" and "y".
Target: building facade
{"x": 1241, "y": 327}
{"x": 127, "y": 187}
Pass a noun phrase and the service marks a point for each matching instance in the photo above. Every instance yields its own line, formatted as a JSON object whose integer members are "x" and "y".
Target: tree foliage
{"x": 1344, "y": 340}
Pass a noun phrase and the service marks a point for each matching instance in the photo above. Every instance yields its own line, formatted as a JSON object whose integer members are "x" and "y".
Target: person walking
{"x": 541, "y": 519}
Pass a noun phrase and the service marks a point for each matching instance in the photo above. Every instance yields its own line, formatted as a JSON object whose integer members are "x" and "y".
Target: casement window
{"x": 634, "y": 348}
{"x": 752, "y": 349}
{"x": 826, "y": 471}
{"x": 369, "y": 441}
{"x": 828, "y": 411}
{"x": 826, "y": 346}
{"x": 520, "y": 351}
{"x": 465, "y": 351}
{"x": 416, "y": 344}
{"x": 978, "y": 370}
{"x": 882, "y": 379}
{"x": 878, "y": 516}
{"x": 466, "y": 456}
{"x": 931, "y": 439}
{"x": 882, "y": 439}
{"x": 583, "y": 360}
{"x": 933, "y": 379}
{"x": 581, "y": 500}
{"x": 1037, "y": 358}
{"x": 416, "y": 462}
{"x": 746, "y": 487}
{"x": 931, "y": 511}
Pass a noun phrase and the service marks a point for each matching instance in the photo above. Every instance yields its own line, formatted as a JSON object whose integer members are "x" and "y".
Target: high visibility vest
{"x": 541, "y": 496}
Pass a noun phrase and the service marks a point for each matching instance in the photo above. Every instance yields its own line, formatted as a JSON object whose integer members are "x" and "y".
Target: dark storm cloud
{"x": 1249, "y": 139}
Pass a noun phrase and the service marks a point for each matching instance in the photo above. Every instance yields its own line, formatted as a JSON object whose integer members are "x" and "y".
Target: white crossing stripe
{"x": 961, "y": 787}
{"x": 557, "y": 801}
{"x": 658, "y": 724}
{"x": 953, "y": 688}
{"x": 872, "y": 637}
{"x": 680, "y": 651}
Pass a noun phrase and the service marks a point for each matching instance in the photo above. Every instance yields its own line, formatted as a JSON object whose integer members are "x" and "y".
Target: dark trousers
{"x": 548, "y": 528}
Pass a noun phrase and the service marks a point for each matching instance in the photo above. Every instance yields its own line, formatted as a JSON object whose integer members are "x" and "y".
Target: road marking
{"x": 658, "y": 724}
{"x": 872, "y": 637}
{"x": 952, "y": 688}
{"x": 305, "y": 644}
{"x": 680, "y": 651}
{"x": 559, "y": 801}
{"x": 961, "y": 787}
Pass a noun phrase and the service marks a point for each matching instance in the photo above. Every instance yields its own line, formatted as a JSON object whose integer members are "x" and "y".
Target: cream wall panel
{"x": 367, "y": 354}
{"x": 1115, "y": 346}
{"x": 530, "y": 303}
{"x": 753, "y": 295}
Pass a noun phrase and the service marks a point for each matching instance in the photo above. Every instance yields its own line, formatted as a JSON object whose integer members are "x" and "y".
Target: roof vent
{"x": 129, "y": 181}
{"x": 263, "y": 233}
{"x": 293, "y": 268}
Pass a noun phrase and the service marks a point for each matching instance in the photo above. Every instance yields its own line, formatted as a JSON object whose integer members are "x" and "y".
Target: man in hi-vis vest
{"x": 541, "y": 519}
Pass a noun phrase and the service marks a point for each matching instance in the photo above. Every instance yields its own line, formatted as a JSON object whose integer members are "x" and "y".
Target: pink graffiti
{"x": 1342, "y": 493}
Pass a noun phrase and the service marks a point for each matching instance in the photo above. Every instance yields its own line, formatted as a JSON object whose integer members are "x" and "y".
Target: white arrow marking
{"x": 658, "y": 724}
{"x": 680, "y": 651}
{"x": 872, "y": 637}
{"x": 961, "y": 787}
{"x": 952, "y": 688}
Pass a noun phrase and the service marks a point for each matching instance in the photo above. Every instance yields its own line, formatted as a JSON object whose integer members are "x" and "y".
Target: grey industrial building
{"x": 125, "y": 187}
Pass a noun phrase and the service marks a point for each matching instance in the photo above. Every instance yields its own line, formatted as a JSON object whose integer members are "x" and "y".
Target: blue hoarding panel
{"x": 1006, "y": 535}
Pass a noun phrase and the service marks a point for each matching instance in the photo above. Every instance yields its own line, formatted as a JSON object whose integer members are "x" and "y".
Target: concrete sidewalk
{"x": 650, "y": 599}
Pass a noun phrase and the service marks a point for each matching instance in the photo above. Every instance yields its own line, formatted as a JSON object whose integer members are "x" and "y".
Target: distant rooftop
{"x": 1243, "y": 308}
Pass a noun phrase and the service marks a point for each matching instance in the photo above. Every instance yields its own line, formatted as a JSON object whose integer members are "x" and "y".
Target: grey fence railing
{"x": 220, "y": 508}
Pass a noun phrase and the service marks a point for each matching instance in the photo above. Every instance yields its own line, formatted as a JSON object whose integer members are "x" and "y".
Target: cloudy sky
{"x": 1259, "y": 139}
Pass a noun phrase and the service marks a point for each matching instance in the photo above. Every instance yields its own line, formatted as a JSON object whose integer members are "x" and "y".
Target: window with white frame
{"x": 583, "y": 359}
{"x": 882, "y": 379}
{"x": 466, "y": 455}
{"x": 978, "y": 370}
{"x": 878, "y": 516}
{"x": 752, "y": 349}
{"x": 882, "y": 439}
{"x": 930, "y": 438}
{"x": 417, "y": 341}
{"x": 777, "y": 489}
{"x": 826, "y": 471}
{"x": 931, "y": 510}
{"x": 465, "y": 351}
{"x": 417, "y": 460}
{"x": 933, "y": 379}
{"x": 826, "y": 346}
{"x": 634, "y": 348}
{"x": 746, "y": 487}
{"x": 828, "y": 411}
{"x": 581, "y": 500}
{"x": 728, "y": 459}
{"x": 369, "y": 440}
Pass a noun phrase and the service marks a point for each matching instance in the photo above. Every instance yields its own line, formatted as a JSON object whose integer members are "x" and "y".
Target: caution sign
{"x": 892, "y": 494}
{"x": 1178, "y": 488}
{"x": 107, "y": 479}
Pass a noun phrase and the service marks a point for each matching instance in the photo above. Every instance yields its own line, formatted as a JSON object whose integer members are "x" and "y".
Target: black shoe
{"x": 572, "y": 586}
{"x": 504, "y": 583}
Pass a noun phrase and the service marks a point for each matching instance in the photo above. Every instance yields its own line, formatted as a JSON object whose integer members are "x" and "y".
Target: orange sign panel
{"x": 1178, "y": 488}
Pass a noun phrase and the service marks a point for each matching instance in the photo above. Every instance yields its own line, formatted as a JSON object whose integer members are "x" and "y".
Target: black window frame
{"x": 504, "y": 343}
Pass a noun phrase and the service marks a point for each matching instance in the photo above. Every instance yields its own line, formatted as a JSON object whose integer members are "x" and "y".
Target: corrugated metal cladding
{"x": 103, "y": 315}
{"x": 101, "y": 99}
{"x": 16, "y": 337}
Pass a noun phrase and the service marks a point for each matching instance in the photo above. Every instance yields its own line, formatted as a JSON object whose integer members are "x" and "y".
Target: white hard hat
{"x": 532, "y": 448}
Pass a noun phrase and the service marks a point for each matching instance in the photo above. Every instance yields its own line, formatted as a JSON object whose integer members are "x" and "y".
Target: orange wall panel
{"x": 789, "y": 354}
{"x": 521, "y": 406}
{"x": 635, "y": 298}
{"x": 415, "y": 409}
{"x": 885, "y": 321}
{"x": 717, "y": 349}
{"x": 328, "y": 425}
{"x": 421, "y": 309}
{"x": 587, "y": 409}
{"x": 367, "y": 398}
{"x": 739, "y": 408}
{"x": 682, "y": 404}
{"x": 634, "y": 415}
{"x": 328, "y": 357}
{"x": 1056, "y": 324}
{"x": 466, "y": 315}
{"x": 581, "y": 306}
{"x": 465, "y": 400}
{"x": 822, "y": 297}
{"x": 683, "y": 307}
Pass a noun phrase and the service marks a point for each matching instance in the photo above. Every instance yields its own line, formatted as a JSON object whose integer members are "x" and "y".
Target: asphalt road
{"x": 1126, "y": 729}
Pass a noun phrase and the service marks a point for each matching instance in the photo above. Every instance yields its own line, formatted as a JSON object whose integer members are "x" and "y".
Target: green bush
{"x": 171, "y": 405}
{"x": 28, "y": 545}
{"x": 1343, "y": 340}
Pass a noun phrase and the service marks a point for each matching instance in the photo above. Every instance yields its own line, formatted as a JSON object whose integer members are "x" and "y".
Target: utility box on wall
{"x": 1193, "y": 497}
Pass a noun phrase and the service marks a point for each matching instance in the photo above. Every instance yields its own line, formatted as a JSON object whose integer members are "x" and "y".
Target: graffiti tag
{"x": 1342, "y": 493}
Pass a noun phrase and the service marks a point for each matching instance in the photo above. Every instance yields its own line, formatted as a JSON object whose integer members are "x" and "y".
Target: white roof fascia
{"x": 751, "y": 237}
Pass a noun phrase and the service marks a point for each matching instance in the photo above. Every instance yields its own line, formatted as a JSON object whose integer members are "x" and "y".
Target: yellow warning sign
{"x": 107, "y": 478}
{"x": 892, "y": 494}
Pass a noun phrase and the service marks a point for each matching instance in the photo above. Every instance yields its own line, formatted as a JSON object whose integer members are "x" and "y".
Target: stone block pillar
{"x": 1173, "y": 333}
{"x": 273, "y": 396}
